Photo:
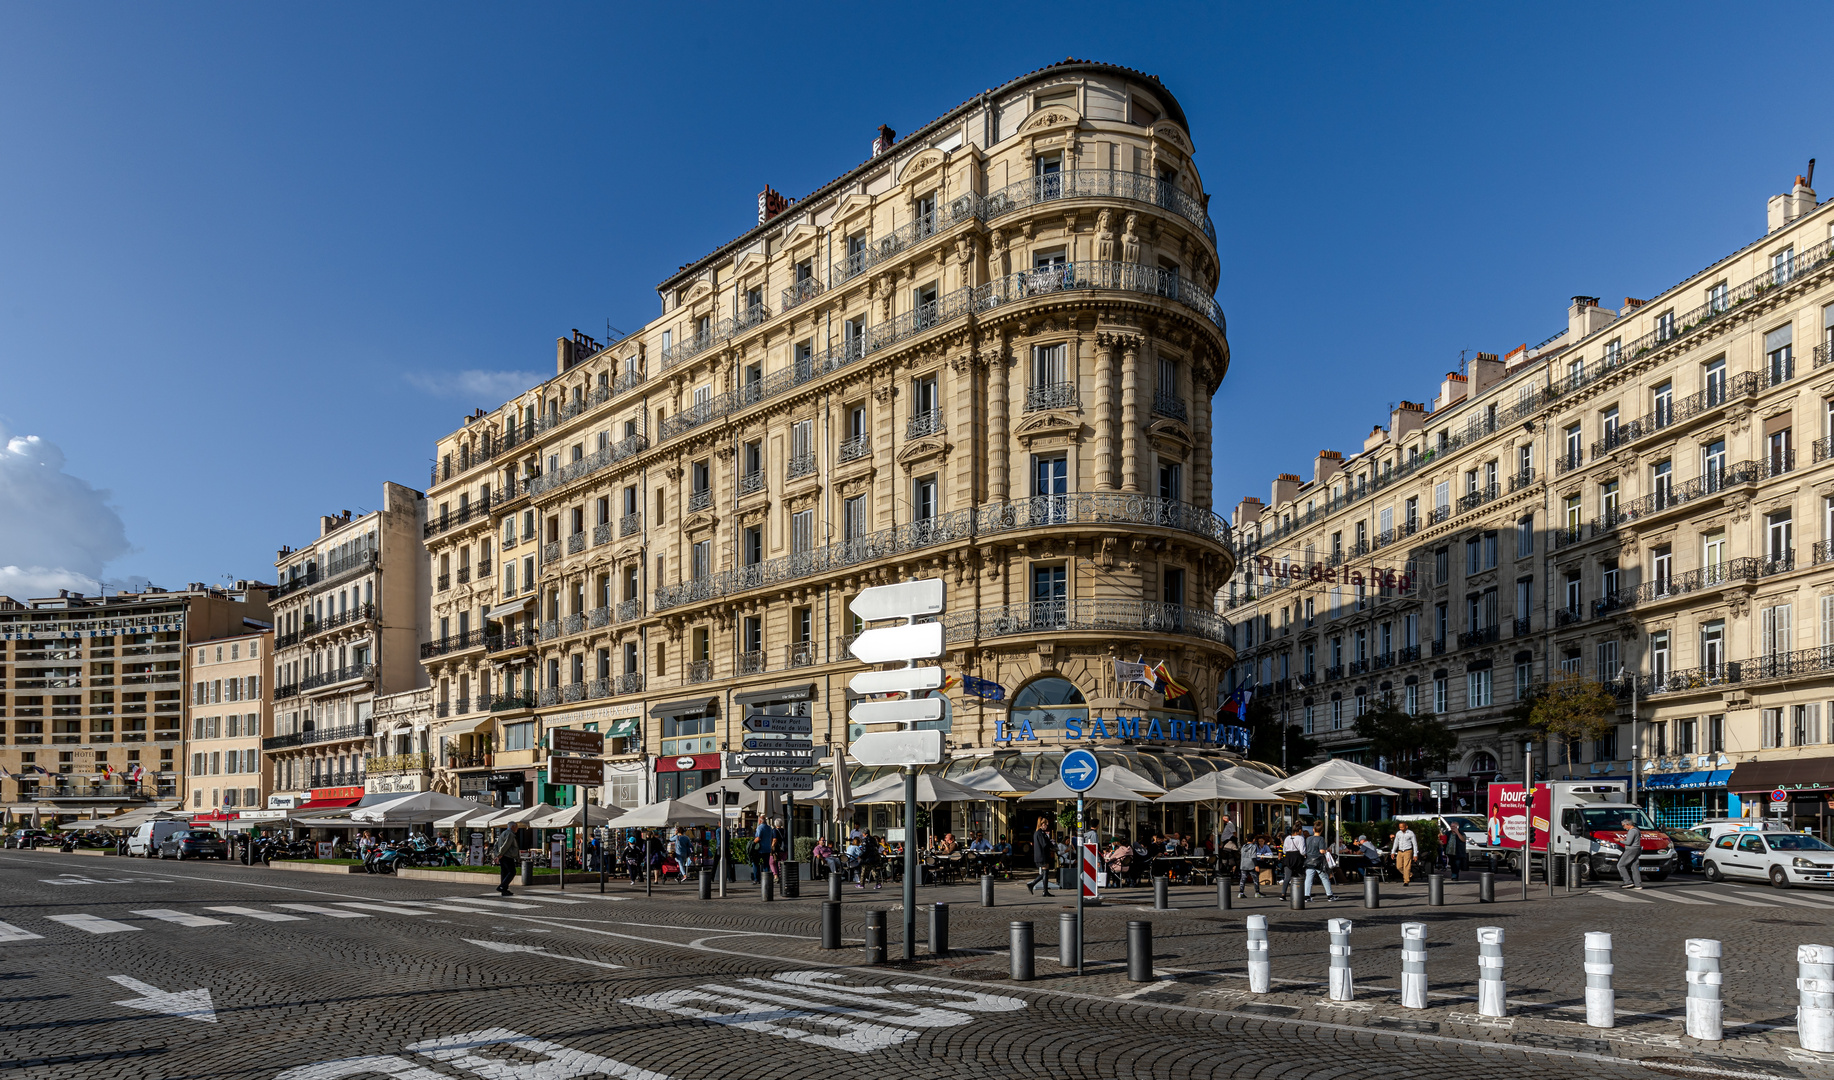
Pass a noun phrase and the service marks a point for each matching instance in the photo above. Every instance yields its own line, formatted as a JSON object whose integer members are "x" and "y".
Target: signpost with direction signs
{"x": 779, "y": 739}
{"x": 1080, "y": 770}
{"x": 907, "y": 747}
{"x": 574, "y": 759}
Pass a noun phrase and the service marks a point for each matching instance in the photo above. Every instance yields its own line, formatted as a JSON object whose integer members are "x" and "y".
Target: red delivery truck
{"x": 1579, "y": 818}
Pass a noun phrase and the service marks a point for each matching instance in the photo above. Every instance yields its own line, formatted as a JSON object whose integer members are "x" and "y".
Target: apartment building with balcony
{"x": 1645, "y": 498}
{"x": 986, "y": 353}
{"x": 94, "y": 708}
{"x": 399, "y": 758}
{"x": 347, "y": 632}
{"x": 232, "y": 710}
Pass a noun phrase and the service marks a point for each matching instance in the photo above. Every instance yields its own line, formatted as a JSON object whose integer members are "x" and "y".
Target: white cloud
{"x": 493, "y": 387}
{"x": 56, "y": 532}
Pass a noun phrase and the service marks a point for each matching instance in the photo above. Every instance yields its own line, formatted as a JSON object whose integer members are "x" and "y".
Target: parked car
{"x": 29, "y": 838}
{"x": 1691, "y": 846}
{"x": 147, "y": 837}
{"x": 194, "y": 843}
{"x": 1784, "y": 859}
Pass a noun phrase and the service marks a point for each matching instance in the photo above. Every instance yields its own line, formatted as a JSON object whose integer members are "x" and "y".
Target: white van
{"x": 145, "y": 840}
{"x": 1718, "y": 827}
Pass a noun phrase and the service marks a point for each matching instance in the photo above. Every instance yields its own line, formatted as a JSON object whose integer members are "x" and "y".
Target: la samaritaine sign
{"x": 1135, "y": 728}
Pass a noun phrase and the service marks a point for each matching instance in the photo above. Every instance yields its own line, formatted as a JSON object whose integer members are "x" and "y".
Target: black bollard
{"x": 1162, "y": 893}
{"x": 1139, "y": 951}
{"x": 1436, "y": 890}
{"x": 706, "y": 884}
{"x": 986, "y": 890}
{"x": 1066, "y": 939}
{"x": 834, "y": 887}
{"x": 875, "y": 936}
{"x": 1372, "y": 892}
{"x": 1224, "y": 898}
{"x": 1020, "y": 943}
{"x": 831, "y": 924}
{"x": 767, "y": 887}
{"x": 1486, "y": 888}
{"x": 792, "y": 880}
{"x": 939, "y": 929}
{"x": 1294, "y": 897}
{"x": 528, "y": 871}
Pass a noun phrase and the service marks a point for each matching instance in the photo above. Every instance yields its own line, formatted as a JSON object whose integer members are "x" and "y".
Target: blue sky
{"x": 255, "y": 258}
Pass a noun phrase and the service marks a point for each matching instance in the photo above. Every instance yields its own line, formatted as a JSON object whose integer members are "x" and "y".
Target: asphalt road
{"x": 119, "y": 968}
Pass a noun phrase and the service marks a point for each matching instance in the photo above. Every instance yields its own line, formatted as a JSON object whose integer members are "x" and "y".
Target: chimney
{"x": 1631, "y": 303}
{"x": 1286, "y": 488}
{"x": 885, "y": 140}
{"x": 1584, "y": 316}
{"x": 1247, "y": 511}
{"x": 1327, "y": 464}
{"x": 1405, "y": 419}
{"x": 1783, "y": 209}
{"x": 1451, "y": 390}
{"x": 770, "y": 204}
{"x": 1486, "y": 372}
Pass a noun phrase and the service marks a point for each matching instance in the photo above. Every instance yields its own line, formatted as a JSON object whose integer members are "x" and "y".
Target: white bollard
{"x": 1815, "y": 1002}
{"x": 1413, "y": 965}
{"x": 1704, "y": 1016}
{"x": 1492, "y": 990}
{"x": 1601, "y": 1000}
{"x": 1343, "y": 985}
{"x": 1258, "y": 967}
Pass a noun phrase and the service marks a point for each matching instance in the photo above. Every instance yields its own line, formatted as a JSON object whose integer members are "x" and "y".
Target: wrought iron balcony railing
{"x": 806, "y": 289}
{"x": 700, "y": 500}
{"x": 470, "y": 639}
{"x": 1170, "y": 405}
{"x": 337, "y": 675}
{"x": 511, "y": 702}
{"x": 1117, "y": 276}
{"x": 576, "y": 542}
{"x": 700, "y": 671}
{"x": 799, "y": 465}
{"x": 927, "y": 422}
{"x": 630, "y": 524}
{"x": 1060, "y": 395}
{"x": 630, "y": 609}
{"x": 397, "y": 763}
{"x": 631, "y": 682}
{"x": 753, "y": 662}
{"x": 1484, "y": 636}
{"x": 751, "y": 483}
{"x": 853, "y": 448}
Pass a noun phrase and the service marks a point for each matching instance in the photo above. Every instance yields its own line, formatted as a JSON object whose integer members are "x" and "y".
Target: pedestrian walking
{"x": 1628, "y": 865}
{"x": 1317, "y": 864}
{"x": 1406, "y": 846}
{"x": 1292, "y": 859}
{"x": 1457, "y": 854}
{"x": 506, "y": 852}
{"x": 1043, "y": 853}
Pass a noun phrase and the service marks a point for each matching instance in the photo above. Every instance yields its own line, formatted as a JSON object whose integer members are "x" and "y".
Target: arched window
{"x": 1046, "y": 702}
{"x": 1482, "y": 762}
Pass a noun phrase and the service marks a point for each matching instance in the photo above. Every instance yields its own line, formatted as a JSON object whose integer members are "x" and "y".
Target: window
{"x": 1048, "y": 372}
{"x": 1442, "y": 501}
{"x": 1713, "y": 380}
{"x": 1713, "y": 644}
{"x": 1411, "y": 513}
{"x": 1805, "y": 724}
{"x": 519, "y": 736}
{"x": 1713, "y": 465}
{"x": 1477, "y": 689}
{"x": 1573, "y": 593}
{"x": 753, "y": 545}
{"x": 1525, "y": 680}
{"x": 1770, "y": 732}
{"x": 1658, "y": 655}
{"x": 1525, "y": 537}
{"x": 702, "y": 565}
{"x": 802, "y": 532}
{"x": 1440, "y": 704}
{"x": 1775, "y": 629}
{"x": 923, "y": 498}
{"x": 854, "y": 519}
{"x": 1410, "y": 699}
{"x": 1779, "y": 535}
{"x": 1607, "y": 501}
{"x": 1575, "y": 447}
{"x": 1716, "y": 734}
{"x": 1783, "y": 265}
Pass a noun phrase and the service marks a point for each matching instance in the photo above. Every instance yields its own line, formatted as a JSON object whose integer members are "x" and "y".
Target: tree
{"x": 1265, "y": 737}
{"x": 1412, "y": 745}
{"x": 1572, "y": 708}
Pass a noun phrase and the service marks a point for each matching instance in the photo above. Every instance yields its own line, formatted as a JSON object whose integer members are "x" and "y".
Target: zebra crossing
{"x": 1712, "y": 895}
{"x": 147, "y": 918}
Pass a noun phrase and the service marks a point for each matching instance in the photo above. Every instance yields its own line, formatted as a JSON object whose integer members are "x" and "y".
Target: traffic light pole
{"x": 910, "y": 862}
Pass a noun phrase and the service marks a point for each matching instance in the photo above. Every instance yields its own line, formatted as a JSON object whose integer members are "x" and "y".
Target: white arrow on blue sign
{"x": 1080, "y": 770}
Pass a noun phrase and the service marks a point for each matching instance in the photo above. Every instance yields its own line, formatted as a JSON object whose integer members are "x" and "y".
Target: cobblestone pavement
{"x": 118, "y": 968}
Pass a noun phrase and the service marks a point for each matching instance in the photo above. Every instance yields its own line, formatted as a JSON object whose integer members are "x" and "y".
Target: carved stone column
{"x": 1104, "y": 412}
{"x": 1200, "y": 434}
{"x": 1130, "y": 416}
{"x": 997, "y": 486}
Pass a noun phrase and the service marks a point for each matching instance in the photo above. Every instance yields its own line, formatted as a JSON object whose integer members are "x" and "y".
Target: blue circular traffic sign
{"x": 1080, "y": 770}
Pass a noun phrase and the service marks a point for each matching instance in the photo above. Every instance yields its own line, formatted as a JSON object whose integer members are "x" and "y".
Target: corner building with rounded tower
{"x": 985, "y": 354}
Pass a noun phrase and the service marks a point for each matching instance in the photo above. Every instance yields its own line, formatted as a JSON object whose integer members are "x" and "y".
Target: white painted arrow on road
{"x": 512, "y": 947}
{"x": 190, "y": 1004}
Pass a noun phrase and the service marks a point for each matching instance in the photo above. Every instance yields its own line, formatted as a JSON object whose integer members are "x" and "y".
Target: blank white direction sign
{"x": 906, "y": 711}
{"x": 906, "y": 599}
{"x": 896, "y": 681}
{"x": 915, "y": 641}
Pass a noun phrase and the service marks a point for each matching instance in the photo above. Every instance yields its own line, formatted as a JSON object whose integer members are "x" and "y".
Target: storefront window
{"x": 1047, "y": 703}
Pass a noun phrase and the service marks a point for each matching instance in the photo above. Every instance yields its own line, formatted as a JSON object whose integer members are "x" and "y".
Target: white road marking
{"x": 331, "y": 911}
{"x": 1672, "y": 897}
{"x": 257, "y": 913}
{"x": 492, "y": 904}
{"x": 1731, "y": 899}
{"x": 511, "y": 947}
{"x": 1624, "y": 898}
{"x": 92, "y": 924}
{"x": 384, "y": 908}
{"x": 190, "y": 1004}
{"x": 9, "y": 932}
{"x": 1798, "y": 901}
{"x": 180, "y": 917}
{"x": 524, "y": 895}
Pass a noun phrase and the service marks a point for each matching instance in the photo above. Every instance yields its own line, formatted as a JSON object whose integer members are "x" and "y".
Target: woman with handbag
{"x": 1044, "y": 852}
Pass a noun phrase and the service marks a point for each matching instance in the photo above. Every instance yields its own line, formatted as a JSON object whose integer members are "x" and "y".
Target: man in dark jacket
{"x": 507, "y": 850}
{"x": 1043, "y": 849}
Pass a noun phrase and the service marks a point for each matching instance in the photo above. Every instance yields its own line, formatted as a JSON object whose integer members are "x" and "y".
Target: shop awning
{"x": 1710, "y": 778}
{"x": 622, "y": 729}
{"x": 686, "y": 707}
{"x": 510, "y": 608}
{"x": 776, "y": 695}
{"x": 465, "y": 726}
{"x": 329, "y": 804}
{"x": 1806, "y": 772}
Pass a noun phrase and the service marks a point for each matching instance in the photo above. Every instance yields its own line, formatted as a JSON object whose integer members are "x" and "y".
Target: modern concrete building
{"x": 1650, "y": 491}
{"x": 95, "y": 706}
{"x": 232, "y": 710}
{"x": 347, "y": 628}
{"x": 985, "y": 353}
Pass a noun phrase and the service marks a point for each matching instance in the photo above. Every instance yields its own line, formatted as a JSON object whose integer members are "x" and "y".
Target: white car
{"x": 1784, "y": 859}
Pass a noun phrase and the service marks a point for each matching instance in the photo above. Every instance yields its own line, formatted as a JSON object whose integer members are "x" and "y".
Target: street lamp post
{"x": 1635, "y": 761}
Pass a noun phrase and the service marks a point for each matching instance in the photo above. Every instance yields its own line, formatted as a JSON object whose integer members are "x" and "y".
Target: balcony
{"x": 753, "y": 662}
{"x": 1098, "y": 184}
{"x": 1439, "y": 646}
{"x": 348, "y": 673}
{"x": 483, "y": 570}
{"x": 357, "y": 613}
{"x": 631, "y": 377}
{"x": 450, "y": 521}
{"x": 1408, "y": 655}
{"x": 854, "y": 448}
{"x": 1520, "y": 627}
{"x": 751, "y": 483}
{"x": 1569, "y": 461}
{"x": 1778, "y": 463}
{"x": 512, "y": 639}
{"x": 1116, "y": 276}
{"x": 700, "y": 671}
{"x": 464, "y": 575}
{"x": 1334, "y": 672}
{"x": 1823, "y": 551}
{"x": 700, "y": 500}
{"x": 598, "y": 616}
{"x": 397, "y": 763}
{"x": 631, "y": 682}
{"x": 1521, "y": 480}
{"x": 443, "y": 582}
{"x": 1170, "y": 405}
{"x": 630, "y": 609}
{"x": 806, "y": 289}
{"x": 572, "y": 624}
{"x": 547, "y": 695}
{"x": 1568, "y": 536}
{"x": 511, "y": 702}
{"x": 630, "y": 524}
{"x": 1675, "y": 586}
{"x": 549, "y": 630}
{"x": 801, "y": 654}
{"x": 1472, "y": 638}
{"x": 550, "y": 552}
{"x": 601, "y": 533}
{"x": 576, "y": 543}
{"x": 344, "y": 733}
{"x": 927, "y": 422}
{"x": 629, "y": 446}
{"x": 469, "y": 761}
{"x": 800, "y": 465}
{"x": 1569, "y": 616}
{"x": 1471, "y": 500}
{"x": 1118, "y": 509}
{"x": 470, "y": 639}
{"x": 1707, "y": 677}
{"x": 1060, "y": 395}
{"x": 1777, "y": 562}
{"x": 1090, "y": 616}
{"x": 1676, "y": 495}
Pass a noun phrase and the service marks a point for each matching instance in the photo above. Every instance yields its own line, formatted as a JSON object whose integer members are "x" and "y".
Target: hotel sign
{"x": 1140, "y": 729}
{"x": 168, "y": 623}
